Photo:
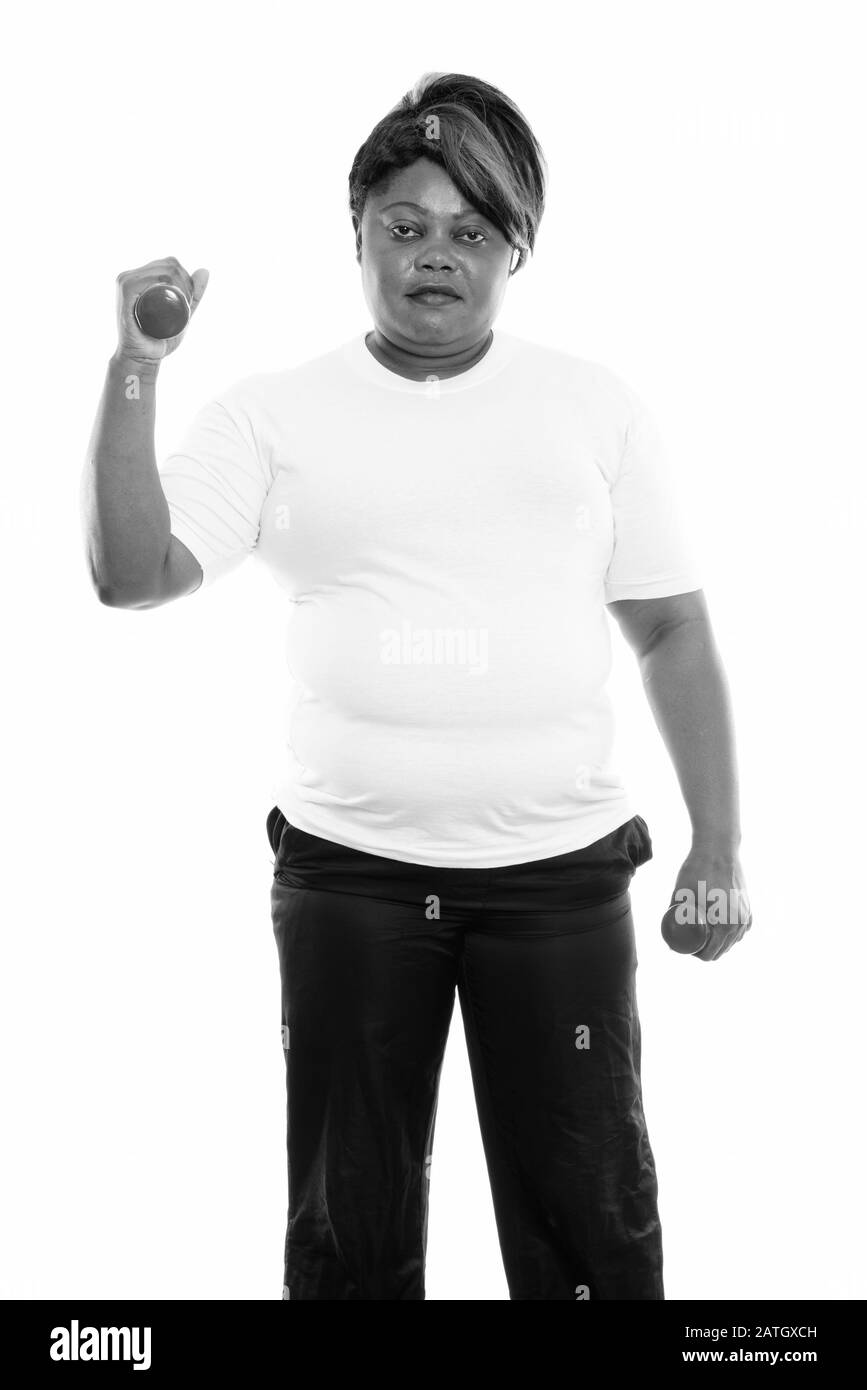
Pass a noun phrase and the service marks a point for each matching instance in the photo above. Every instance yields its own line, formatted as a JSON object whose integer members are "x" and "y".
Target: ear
{"x": 357, "y": 229}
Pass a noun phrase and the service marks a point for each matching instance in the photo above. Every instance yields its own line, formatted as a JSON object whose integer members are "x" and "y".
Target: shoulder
{"x": 257, "y": 391}
{"x": 600, "y": 389}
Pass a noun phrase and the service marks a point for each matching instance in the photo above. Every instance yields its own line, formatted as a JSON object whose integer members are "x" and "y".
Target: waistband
{"x": 590, "y": 883}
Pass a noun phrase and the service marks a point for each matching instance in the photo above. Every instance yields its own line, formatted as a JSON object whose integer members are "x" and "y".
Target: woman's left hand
{"x": 709, "y": 904}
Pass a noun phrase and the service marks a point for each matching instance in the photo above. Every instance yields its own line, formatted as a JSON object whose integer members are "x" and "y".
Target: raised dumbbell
{"x": 162, "y": 311}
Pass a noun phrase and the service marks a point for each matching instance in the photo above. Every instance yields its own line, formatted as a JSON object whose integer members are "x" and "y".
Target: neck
{"x": 424, "y": 362}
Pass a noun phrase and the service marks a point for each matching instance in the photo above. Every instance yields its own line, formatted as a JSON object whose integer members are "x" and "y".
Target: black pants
{"x": 543, "y": 958}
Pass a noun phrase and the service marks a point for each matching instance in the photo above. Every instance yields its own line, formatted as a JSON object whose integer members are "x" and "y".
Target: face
{"x": 419, "y": 230}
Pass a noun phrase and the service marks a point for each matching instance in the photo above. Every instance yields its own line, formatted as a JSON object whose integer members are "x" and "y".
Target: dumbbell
{"x": 162, "y": 311}
{"x": 686, "y": 938}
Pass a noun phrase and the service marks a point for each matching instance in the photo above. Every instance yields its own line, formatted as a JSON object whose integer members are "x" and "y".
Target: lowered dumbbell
{"x": 687, "y": 938}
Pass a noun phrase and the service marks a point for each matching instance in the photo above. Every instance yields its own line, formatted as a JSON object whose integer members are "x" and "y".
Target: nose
{"x": 435, "y": 254}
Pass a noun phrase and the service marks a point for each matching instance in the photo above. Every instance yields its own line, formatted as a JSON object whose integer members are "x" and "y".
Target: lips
{"x": 433, "y": 292}
{"x": 434, "y": 298}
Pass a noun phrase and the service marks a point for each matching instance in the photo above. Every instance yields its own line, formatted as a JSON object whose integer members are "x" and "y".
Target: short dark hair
{"x": 481, "y": 139}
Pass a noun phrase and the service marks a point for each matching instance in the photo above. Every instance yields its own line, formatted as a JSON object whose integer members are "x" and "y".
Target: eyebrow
{"x": 402, "y": 203}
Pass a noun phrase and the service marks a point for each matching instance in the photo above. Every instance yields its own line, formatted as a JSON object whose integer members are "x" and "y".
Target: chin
{"x": 432, "y": 329}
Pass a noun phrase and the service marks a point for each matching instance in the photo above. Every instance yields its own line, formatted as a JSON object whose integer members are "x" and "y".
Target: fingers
{"x": 178, "y": 275}
{"x": 200, "y": 284}
{"x": 193, "y": 286}
{"x": 167, "y": 270}
{"x": 725, "y": 935}
{"x": 710, "y": 949}
{"x": 717, "y": 944}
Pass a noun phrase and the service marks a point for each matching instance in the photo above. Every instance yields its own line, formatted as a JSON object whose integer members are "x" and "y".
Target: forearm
{"x": 688, "y": 694}
{"x": 125, "y": 515}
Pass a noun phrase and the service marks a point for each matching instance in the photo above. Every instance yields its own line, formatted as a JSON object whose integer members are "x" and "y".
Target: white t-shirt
{"x": 446, "y": 549}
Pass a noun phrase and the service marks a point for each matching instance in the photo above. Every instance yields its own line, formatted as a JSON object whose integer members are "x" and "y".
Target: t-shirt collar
{"x": 362, "y": 361}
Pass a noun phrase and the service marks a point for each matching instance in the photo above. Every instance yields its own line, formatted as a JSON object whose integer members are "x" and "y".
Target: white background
{"x": 704, "y": 237}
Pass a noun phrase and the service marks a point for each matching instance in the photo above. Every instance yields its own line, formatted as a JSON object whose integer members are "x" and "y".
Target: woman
{"x": 449, "y": 509}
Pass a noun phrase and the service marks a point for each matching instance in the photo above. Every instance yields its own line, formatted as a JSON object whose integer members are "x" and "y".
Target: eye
{"x": 401, "y": 227}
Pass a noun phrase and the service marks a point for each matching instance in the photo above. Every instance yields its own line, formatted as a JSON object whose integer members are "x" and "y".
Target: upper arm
{"x": 654, "y": 554}
{"x": 215, "y": 484}
{"x": 643, "y": 620}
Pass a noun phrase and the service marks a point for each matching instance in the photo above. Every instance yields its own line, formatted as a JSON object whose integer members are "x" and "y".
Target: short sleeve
{"x": 653, "y": 554}
{"x": 215, "y": 483}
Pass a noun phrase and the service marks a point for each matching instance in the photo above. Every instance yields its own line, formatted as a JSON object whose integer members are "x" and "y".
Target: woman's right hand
{"x": 131, "y": 342}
